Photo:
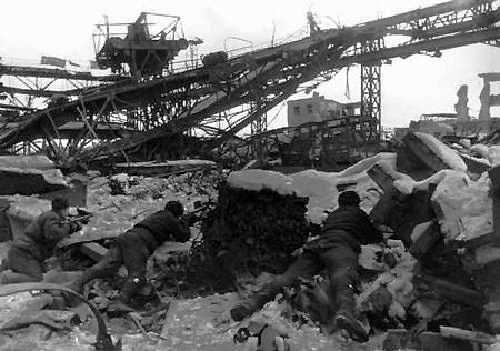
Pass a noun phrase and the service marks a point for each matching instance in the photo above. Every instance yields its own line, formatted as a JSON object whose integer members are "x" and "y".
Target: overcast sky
{"x": 420, "y": 84}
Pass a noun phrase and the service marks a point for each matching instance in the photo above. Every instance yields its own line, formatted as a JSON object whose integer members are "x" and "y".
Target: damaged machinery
{"x": 165, "y": 107}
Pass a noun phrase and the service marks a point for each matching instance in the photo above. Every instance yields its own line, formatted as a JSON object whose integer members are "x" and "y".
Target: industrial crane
{"x": 241, "y": 89}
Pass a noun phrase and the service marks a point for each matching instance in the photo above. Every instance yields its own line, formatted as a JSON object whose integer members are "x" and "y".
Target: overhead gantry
{"x": 228, "y": 95}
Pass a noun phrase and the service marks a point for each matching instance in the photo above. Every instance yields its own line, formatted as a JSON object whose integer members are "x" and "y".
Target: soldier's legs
{"x": 106, "y": 267}
{"x": 135, "y": 253}
{"x": 25, "y": 267}
{"x": 306, "y": 265}
{"x": 342, "y": 265}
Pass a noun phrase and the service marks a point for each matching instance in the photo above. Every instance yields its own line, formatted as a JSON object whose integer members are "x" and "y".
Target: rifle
{"x": 192, "y": 217}
{"x": 83, "y": 216}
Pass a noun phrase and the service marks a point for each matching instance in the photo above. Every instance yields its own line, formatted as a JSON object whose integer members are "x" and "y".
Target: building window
{"x": 296, "y": 110}
{"x": 309, "y": 108}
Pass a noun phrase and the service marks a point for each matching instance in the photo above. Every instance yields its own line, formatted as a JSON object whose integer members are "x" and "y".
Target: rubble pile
{"x": 252, "y": 229}
{"x": 115, "y": 214}
{"x": 168, "y": 268}
{"x": 438, "y": 269}
{"x": 445, "y": 219}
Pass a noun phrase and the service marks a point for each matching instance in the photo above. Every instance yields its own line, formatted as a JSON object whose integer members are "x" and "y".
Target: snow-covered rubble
{"x": 321, "y": 188}
{"x": 396, "y": 279}
{"x": 464, "y": 207}
{"x": 115, "y": 214}
{"x": 447, "y": 155}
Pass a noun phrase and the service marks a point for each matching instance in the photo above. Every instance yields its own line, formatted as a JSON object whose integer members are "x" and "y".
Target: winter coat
{"x": 42, "y": 235}
{"x": 349, "y": 225}
{"x": 163, "y": 226}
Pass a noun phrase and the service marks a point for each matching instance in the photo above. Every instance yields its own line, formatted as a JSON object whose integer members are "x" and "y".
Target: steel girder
{"x": 190, "y": 99}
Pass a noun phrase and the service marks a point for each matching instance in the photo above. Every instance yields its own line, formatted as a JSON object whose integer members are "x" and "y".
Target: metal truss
{"x": 40, "y": 82}
{"x": 223, "y": 99}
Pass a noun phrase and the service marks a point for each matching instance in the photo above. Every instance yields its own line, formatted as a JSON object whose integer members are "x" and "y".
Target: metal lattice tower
{"x": 371, "y": 94}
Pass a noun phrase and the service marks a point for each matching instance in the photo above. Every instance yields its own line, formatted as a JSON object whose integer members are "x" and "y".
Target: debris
{"x": 474, "y": 336}
{"x": 451, "y": 291}
{"x": 29, "y": 181}
{"x": 93, "y": 250}
{"x": 160, "y": 169}
{"x": 434, "y": 153}
{"x": 103, "y": 341}
{"x": 56, "y": 320}
{"x": 249, "y": 231}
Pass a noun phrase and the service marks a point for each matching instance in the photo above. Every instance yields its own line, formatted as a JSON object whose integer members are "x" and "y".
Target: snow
{"x": 419, "y": 230}
{"x": 27, "y": 162}
{"x": 26, "y": 208}
{"x": 447, "y": 155}
{"x": 476, "y": 159}
{"x": 251, "y": 164}
{"x": 464, "y": 208}
{"x": 494, "y": 347}
{"x": 319, "y": 187}
{"x": 480, "y": 150}
{"x": 398, "y": 279}
{"x": 366, "y": 164}
{"x": 257, "y": 180}
{"x": 487, "y": 254}
{"x": 494, "y": 155}
{"x": 466, "y": 143}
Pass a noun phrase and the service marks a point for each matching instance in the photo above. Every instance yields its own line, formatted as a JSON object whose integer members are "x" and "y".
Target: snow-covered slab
{"x": 384, "y": 173}
{"x": 464, "y": 208}
{"x": 448, "y": 156}
{"x": 257, "y": 180}
{"x": 27, "y": 162}
{"x": 364, "y": 165}
{"x": 26, "y": 208}
{"x": 476, "y": 165}
{"x": 30, "y": 181}
{"x": 320, "y": 187}
{"x": 494, "y": 155}
{"x": 480, "y": 150}
{"x": 23, "y": 210}
{"x": 483, "y": 161}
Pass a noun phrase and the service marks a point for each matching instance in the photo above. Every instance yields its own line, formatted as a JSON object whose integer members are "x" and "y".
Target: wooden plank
{"x": 93, "y": 250}
{"x": 452, "y": 291}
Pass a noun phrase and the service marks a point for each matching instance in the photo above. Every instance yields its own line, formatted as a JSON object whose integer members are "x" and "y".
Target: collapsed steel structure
{"x": 224, "y": 96}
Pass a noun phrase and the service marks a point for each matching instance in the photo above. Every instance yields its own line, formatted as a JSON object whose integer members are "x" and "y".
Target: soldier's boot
{"x": 246, "y": 308}
{"x": 85, "y": 277}
{"x": 107, "y": 267}
{"x": 345, "y": 319}
{"x": 352, "y": 326}
{"x": 131, "y": 287}
{"x": 255, "y": 301}
{"x": 242, "y": 311}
